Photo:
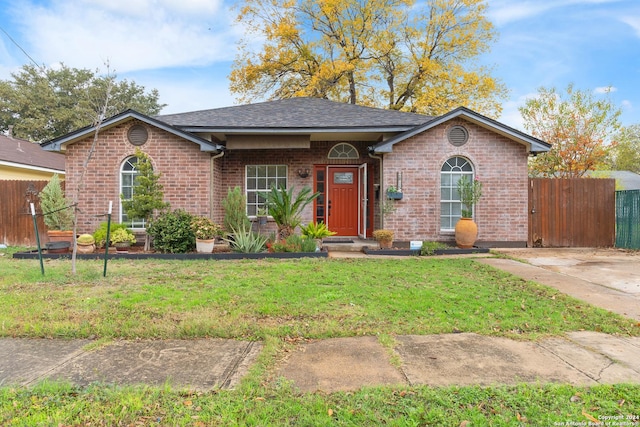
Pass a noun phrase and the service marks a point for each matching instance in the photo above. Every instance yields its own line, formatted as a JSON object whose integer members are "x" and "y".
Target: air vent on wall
{"x": 458, "y": 136}
{"x": 137, "y": 135}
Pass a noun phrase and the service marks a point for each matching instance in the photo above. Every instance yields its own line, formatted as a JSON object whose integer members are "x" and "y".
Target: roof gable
{"x": 533, "y": 145}
{"x": 60, "y": 143}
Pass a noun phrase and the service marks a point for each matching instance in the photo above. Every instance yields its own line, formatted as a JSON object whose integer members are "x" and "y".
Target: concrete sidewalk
{"x": 340, "y": 364}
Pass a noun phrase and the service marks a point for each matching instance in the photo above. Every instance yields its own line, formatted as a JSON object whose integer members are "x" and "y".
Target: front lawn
{"x": 278, "y": 302}
{"x": 307, "y": 298}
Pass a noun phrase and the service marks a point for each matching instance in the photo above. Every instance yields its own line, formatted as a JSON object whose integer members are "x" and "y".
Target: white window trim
{"x": 471, "y": 174}
{"x": 247, "y": 191}
{"x": 340, "y": 156}
{"x": 139, "y": 225}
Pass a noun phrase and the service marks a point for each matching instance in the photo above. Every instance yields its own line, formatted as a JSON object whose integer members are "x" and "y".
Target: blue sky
{"x": 184, "y": 48}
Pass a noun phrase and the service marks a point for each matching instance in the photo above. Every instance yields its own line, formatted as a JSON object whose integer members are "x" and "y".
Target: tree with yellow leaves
{"x": 579, "y": 127}
{"x": 398, "y": 54}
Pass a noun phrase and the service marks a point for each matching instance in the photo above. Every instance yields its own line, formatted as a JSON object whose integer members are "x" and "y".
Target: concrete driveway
{"x": 607, "y": 278}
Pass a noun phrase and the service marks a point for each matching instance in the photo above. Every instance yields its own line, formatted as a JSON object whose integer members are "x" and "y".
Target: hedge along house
{"x": 350, "y": 154}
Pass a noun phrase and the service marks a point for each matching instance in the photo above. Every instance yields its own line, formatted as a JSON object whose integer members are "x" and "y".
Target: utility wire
{"x": 23, "y": 51}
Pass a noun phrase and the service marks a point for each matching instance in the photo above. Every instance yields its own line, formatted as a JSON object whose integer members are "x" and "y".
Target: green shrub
{"x": 122, "y": 235}
{"x": 316, "y": 230}
{"x": 86, "y": 239}
{"x": 57, "y": 209}
{"x": 100, "y": 235}
{"x": 429, "y": 248}
{"x": 294, "y": 243}
{"x": 172, "y": 233}
{"x": 235, "y": 211}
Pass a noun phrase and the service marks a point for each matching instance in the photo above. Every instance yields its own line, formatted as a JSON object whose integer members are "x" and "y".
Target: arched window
{"x": 128, "y": 173}
{"x": 450, "y": 205}
{"x": 343, "y": 151}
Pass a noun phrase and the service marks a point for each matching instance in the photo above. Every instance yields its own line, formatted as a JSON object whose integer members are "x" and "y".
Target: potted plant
{"x": 384, "y": 238}
{"x": 393, "y": 193}
{"x": 466, "y": 230}
{"x": 122, "y": 239}
{"x": 57, "y": 211}
{"x": 316, "y": 231}
{"x": 262, "y": 215}
{"x": 86, "y": 244}
{"x": 206, "y": 232}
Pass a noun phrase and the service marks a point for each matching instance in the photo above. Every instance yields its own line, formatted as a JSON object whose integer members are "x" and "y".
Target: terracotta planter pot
{"x": 122, "y": 247}
{"x": 466, "y": 233}
{"x": 86, "y": 249}
{"x": 60, "y": 235}
{"x": 59, "y": 247}
{"x": 385, "y": 244}
{"x": 205, "y": 246}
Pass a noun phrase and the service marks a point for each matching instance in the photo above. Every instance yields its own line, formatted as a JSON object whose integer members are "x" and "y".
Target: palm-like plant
{"x": 286, "y": 210}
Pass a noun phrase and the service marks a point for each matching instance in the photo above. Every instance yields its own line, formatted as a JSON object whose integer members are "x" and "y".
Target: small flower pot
{"x": 205, "y": 246}
{"x": 61, "y": 247}
{"x": 385, "y": 244}
{"x": 86, "y": 249}
{"x": 122, "y": 247}
{"x": 394, "y": 195}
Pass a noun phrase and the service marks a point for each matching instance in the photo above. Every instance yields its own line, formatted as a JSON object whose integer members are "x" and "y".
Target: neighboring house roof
{"x": 60, "y": 143}
{"x": 23, "y": 154}
{"x": 534, "y": 145}
{"x": 626, "y": 180}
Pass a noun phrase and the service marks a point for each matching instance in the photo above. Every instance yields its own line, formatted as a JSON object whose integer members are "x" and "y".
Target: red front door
{"x": 342, "y": 203}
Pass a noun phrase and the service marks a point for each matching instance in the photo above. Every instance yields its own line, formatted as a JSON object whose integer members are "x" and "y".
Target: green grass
{"x": 273, "y": 301}
{"x": 60, "y": 404}
{"x": 309, "y": 297}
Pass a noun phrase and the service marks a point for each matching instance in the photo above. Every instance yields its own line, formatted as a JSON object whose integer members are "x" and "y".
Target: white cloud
{"x": 633, "y": 22}
{"x": 511, "y": 115}
{"x": 503, "y": 12}
{"x": 198, "y": 92}
{"x": 605, "y": 89}
{"x": 131, "y": 35}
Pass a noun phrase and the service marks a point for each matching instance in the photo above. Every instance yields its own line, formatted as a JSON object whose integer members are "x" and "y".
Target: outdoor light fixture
{"x": 303, "y": 173}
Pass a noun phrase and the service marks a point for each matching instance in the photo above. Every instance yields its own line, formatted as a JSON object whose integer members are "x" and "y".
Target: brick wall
{"x": 233, "y": 164}
{"x": 185, "y": 173}
{"x": 499, "y": 163}
{"x": 196, "y": 183}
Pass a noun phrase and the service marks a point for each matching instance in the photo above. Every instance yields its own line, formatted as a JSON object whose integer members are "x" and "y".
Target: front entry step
{"x": 346, "y": 244}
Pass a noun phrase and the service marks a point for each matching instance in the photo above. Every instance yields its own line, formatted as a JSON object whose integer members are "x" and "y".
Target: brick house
{"x": 350, "y": 154}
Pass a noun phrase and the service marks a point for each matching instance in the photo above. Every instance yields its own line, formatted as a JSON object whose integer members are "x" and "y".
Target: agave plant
{"x": 286, "y": 210}
{"x": 246, "y": 241}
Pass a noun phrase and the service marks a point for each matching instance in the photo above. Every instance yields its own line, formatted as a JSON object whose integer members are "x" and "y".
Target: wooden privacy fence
{"x": 576, "y": 212}
{"x": 628, "y": 219}
{"x": 16, "y": 222}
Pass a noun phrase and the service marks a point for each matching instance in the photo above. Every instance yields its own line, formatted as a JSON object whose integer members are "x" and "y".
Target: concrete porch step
{"x": 347, "y": 244}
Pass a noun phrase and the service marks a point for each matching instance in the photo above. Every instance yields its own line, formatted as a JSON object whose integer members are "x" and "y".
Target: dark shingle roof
{"x": 294, "y": 113}
{"x": 29, "y": 154}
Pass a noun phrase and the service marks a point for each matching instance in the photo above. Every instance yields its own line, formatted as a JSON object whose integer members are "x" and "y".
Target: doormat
{"x": 337, "y": 240}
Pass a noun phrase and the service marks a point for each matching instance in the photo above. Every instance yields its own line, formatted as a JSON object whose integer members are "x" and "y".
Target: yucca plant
{"x": 286, "y": 210}
{"x": 246, "y": 241}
